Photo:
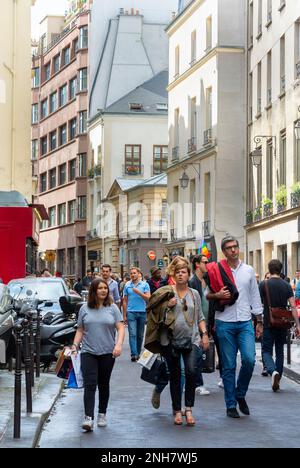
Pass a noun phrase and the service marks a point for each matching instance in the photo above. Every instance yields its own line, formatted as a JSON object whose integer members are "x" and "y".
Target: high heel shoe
{"x": 190, "y": 421}
{"x": 178, "y": 418}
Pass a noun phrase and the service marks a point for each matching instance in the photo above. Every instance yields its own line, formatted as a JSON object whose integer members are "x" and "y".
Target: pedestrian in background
{"x": 197, "y": 282}
{"x": 112, "y": 284}
{"x": 281, "y": 295}
{"x": 234, "y": 326}
{"x": 135, "y": 296}
{"x": 78, "y": 286}
{"x": 184, "y": 342}
{"x": 156, "y": 281}
{"x": 97, "y": 323}
{"x": 87, "y": 280}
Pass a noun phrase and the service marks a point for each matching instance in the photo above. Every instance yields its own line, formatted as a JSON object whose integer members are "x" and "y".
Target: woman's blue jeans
{"x": 234, "y": 337}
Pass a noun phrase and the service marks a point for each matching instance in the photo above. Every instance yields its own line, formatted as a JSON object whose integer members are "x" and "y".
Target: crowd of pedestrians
{"x": 182, "y": 312}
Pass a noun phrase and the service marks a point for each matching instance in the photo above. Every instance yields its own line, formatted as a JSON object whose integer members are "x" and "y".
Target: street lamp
{"x": 256, "y": 157}
{"x": 184, "y": 180}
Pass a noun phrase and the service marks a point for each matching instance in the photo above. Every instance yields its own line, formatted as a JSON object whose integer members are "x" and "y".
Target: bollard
{"x": 18, "y": 379}
{"x": 31, "y": 346}
{"x": 25, "y": 324}
{"x": 38, "y": 344}
{"x": 288, "y": 348}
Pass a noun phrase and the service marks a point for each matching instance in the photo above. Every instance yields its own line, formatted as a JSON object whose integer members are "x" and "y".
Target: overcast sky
{"x": 41, "y": 9}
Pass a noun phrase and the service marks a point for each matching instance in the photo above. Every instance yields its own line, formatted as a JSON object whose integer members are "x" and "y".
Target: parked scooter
{"x": 56, "y": 330}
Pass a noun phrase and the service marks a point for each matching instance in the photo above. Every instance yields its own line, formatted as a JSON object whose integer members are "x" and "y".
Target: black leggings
{"x": 96, "y": 370}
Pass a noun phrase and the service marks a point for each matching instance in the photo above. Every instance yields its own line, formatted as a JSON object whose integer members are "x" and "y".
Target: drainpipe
{"x": 12, "y": 72}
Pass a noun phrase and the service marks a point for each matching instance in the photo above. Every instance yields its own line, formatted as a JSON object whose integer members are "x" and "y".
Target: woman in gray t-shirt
{"x": 97, "y": 323}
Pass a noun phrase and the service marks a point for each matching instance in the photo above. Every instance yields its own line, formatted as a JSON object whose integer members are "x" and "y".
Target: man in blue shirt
{"x": 136, "y": 294}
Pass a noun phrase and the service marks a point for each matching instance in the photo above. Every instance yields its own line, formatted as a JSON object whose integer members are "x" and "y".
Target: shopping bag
{"x": 76, "y": 361}
{"x": 158, "y": 373}
{"x": 147, "y": 359}
{"x": 72, "y": 380}
{"x": 64, "y": 364}
{"x": 208, "y": 359}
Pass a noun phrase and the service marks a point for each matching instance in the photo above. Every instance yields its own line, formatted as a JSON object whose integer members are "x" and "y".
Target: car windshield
{"x": 46, "y": 291}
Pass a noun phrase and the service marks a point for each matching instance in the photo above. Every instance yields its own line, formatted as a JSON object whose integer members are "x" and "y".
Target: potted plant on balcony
{"x": 258, "y": 213}
{"x": 249, "y": 217}
{"x": 281, "y": 198}
{"x": 91, "y": 173}
{"x": 132, "y": 170}
{"x": 267, "y": 205}
{"x": 295, "y": 195}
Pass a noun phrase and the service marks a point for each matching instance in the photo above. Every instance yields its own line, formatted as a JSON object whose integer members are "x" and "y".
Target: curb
{"x": 45, "y": 416}
{"x": 290, "y": 374}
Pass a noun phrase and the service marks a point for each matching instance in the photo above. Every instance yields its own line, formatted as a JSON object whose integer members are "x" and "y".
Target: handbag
{"x": 280, "y": 317}
{"x": 157, "y": 374}
{"x": 208, "y": 359}
{"x": 76, "y": 361}
{"x": 64, "y": 364}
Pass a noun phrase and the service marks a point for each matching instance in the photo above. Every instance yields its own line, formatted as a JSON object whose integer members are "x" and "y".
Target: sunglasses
{"x": 184, "y": 304}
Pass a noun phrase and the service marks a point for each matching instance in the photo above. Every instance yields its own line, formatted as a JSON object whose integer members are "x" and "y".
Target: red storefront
{"x": 19, "y": 230}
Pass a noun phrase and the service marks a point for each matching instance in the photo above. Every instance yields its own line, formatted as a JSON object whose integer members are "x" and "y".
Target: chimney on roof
{"x": 137, "y": 12}
{"x": 132, "y": 11}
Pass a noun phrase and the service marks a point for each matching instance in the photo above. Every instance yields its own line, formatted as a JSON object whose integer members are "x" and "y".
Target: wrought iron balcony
{"x": 295, "y": 200}
{"x": 175, "y": 153}
{"x": 192, "y": 144}
{"x": 173, "y": 233}
{"x": 269, "y": 96}
{"x": 208, "y": 136}
{"x": 191, "y": 231}
{"x": 282, "y": 84}
{"x": 206, "y": 229}
{"x": 298, "y": 70}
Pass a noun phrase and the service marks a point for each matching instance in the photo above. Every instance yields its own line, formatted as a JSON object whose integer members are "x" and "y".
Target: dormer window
{"x": 135, "y": 106}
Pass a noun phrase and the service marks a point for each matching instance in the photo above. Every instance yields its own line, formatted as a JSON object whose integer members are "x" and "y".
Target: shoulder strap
{"x": 267, "y": 293}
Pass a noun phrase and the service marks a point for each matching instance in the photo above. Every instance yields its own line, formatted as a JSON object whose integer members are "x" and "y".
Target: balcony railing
{"x": 269, "y": 96}
{"x": 258, "y": 106}
{"x": 208, "y": 136}
{"x": 192, "y": 144}
{"x": 92, "y": 234}
{"x": 133, "y": 170}
{"x": 206, "y": 229}
{"x": 157, "y": 171}
{"x": 173, "y": 233}
{"x": 175, "y": 153}
{"x": 295, "y": 200}
{"x": 282, "y": 84}
{"x": 94, "y": 171}
{"x": 298, "y": 69}
{"x": 191, "y": 231}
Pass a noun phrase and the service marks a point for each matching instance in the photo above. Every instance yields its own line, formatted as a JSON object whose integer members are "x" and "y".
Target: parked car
{"x": 48, "y": 290}
{"x": 6, "y": 325}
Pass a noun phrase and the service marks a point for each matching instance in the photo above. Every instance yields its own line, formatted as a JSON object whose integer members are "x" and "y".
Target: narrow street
{"x": 132, "y": 422}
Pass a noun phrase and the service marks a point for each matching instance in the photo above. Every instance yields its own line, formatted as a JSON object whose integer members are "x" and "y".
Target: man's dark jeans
{"x": 271, "y": 337}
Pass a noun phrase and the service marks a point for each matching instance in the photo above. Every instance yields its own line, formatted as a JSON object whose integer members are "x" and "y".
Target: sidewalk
{"x": 291, "y": 371}
{"x": 44, "y": 395}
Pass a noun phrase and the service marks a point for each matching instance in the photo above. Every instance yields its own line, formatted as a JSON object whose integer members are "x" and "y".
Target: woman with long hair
{"x": 184, "y": 342}
{"x": 98, "y": 322}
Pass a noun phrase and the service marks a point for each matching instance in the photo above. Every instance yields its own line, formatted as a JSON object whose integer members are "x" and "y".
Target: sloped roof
{"x": 157, "y": 180}
{"x": 127, "y": 184}
{"x": 13, "y": 198}
{"x": 149, "y": 94}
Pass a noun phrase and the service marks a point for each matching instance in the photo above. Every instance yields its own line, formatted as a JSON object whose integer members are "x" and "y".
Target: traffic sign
{"x": 151, "y": 255}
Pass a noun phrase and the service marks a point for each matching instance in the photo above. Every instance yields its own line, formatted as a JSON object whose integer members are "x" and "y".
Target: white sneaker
{"x": 202, "y": 391}
{"x": 220, "y": 384}
{"x": 88, "y": 424}
{"x": 275, "y": 381}
{"x": 101, "y": 420}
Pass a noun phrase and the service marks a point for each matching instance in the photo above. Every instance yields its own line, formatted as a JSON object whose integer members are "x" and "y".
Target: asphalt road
{"x": 132, "y": 422}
